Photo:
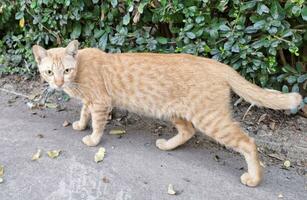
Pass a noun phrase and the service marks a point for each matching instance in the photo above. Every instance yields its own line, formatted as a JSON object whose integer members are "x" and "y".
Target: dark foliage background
{"x": 266, "y": 41}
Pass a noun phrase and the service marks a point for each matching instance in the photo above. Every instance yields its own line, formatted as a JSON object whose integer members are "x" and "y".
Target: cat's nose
{"x": 59, "y": 82}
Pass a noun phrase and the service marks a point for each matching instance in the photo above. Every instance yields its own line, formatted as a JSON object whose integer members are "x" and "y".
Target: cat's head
{"x": 58, "y": 66}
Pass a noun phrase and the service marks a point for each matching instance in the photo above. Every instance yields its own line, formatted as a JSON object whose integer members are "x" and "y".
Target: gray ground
{"x": 134, "y": 167}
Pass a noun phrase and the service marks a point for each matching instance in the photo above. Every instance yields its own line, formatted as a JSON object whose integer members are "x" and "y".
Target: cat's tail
{"x": 261, "y": 97}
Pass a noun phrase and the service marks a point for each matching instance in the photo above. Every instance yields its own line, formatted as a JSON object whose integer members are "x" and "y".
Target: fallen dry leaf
{"x": 105, "y": 180}
{"x": 53, "y": 153}
{"x": 117, "y": 132}
{"x": 51, "y": 105}
{"x": 1, "y": 170}
{"x": 262, "y": 164}
{"x": 272, "y": 125}
{"x": 170, "y": 189}
{"x": 32, "y": 105}
{"x": 287, "y": 163}
{"x": 66, "y": 123}
{"x": 280, "y": 196}
{"x": 40, "y": 135}
{"x": 1, "y": 173}
{"x": 37, "y": 155}
{"x": 261, "y": 118}
{"x": 100, "y": 154}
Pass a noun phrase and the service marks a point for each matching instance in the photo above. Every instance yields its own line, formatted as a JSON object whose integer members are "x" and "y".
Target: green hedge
{"x": 264, "y": 40}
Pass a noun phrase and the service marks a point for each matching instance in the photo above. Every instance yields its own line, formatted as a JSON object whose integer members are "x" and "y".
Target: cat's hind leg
{"x": 81, "y": 124}
{"x": 185, "y": 132}
{"x": 219, "y": 125}
{"x": 100, "y": 113}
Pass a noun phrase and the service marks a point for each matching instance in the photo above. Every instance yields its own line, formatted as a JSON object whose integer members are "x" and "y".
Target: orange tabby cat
{"x": 192, "y": 92}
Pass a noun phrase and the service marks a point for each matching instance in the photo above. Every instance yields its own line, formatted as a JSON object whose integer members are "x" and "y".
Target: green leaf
{"x": 304, "y": 13}
{"x": 19, "y": 15}
{"x": 114, "y": 3}
{"x": 276, "y": 10}
{"x": 126, "y": 19}
{"x": 296, "y": 10}
{"x": 259, "y": 24}
{"x": 76, "y": 31}
{"x": 288, "y": 68}
{"x": 262, "y": 9}
{"x": 141, "y": 7}
{"x": 247, "y": 5}
{"x": 98, "y": 33}
{"x": 287, "y": 33}
{"x": 302, "y": 78}
{"x": 295, "y": 88}
{"x": 235, "y": 48}
{"x": 224, "y": 27}
{"x": 188, "y": 27}
{"x": 199, "y": 19}
{"x": 222, "y": 5}
{"x": 285, "y": 89}
{"x": 291, "y": 79}
{"x": 299, "y": 67}
{"x": 251, "y": 29}
{"x": 281, "y": 77}
{"x": 191, "y": 35}
{"x": 162, "y": 40}
{"x": 102, "y": 44}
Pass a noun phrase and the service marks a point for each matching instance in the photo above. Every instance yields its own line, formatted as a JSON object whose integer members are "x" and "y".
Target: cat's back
{"x": 90, "y": 55}
{"x": 174, "y": 65}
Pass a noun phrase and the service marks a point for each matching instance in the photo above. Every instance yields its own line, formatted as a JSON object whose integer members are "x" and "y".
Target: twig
{"x": 248, "y": 109}
{"x": 238, "y": 101}
{"x": 15, "y": 93}
{"x": 282, "y": 57}
{"x": 300, "y": 26}
{"x": 279, "y": 38}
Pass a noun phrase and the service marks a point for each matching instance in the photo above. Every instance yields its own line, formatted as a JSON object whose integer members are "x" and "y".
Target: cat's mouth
{"x": 57, "y": 87}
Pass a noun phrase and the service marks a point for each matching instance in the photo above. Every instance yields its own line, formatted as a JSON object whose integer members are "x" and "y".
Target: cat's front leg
{"x": 100, "y": 113}
{"x": 84, "y": 119}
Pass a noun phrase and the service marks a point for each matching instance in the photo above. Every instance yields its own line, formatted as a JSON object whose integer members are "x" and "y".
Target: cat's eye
{"x": 67, "y": 71}
{"x": 49, "y": 72}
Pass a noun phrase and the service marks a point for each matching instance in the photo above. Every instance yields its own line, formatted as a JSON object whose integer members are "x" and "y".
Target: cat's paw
{"x": 78, "y": 126}
{"x": 90, "y": 141}
{"x": 162, "y": 144}
{"x": 250, "y": 181}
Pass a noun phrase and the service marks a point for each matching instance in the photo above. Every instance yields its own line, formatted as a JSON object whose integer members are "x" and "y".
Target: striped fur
{"x": 192, "y": 92}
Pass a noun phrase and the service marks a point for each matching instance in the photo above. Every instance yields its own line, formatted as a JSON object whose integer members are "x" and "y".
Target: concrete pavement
{"x": 133, "y": 168}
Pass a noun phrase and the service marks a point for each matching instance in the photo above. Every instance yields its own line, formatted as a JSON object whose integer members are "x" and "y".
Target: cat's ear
{"x": 39, "y": 53}
{"x": 72, "y": 48}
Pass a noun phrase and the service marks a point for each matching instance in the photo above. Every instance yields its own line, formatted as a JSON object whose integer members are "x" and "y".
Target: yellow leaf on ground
{"x": 66, "y": 123}
{"x": 1, "y": 170}
{"x": 287, "y": 163}
{"x": 22, "y": 22}
{"x": 37, "y": 155}
{"x": 53, "y": 153}
{"x": 51, "y": 105}
{"x": 100, "y": 154}
{"x": 117, "y": 132}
